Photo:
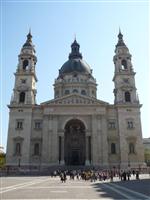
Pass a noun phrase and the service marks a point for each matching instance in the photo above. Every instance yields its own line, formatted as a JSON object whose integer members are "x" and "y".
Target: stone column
{"x": 94, "y": 141}
{"x": 45, "y": 143}
{"x": 62, "y": 162}
{"x": 87, "y": 162}
{"x": 50, "y": 134}
{"x": 104, "y": 142}
{"x": 54, "y": 141}
{"x": 99, "y": 138}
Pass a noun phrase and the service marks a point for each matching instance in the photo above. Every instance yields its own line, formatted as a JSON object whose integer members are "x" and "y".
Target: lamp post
{"x": 139, "y": 168}
{"x": 19, "y": 161}
{"x": 128, "y": 162}
{"x": 39, "y": 162}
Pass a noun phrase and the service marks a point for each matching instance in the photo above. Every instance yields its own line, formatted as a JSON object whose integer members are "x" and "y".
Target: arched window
{"x": 75, "y": 91}
{"x": 131, "y": 148}
{"x": 127, "y": 97}
{"x": 75, "y": 49}
{"x": 22, "y": 97}
{"x": 25, "y": 64}
{"x": 67, "y": 92}
{"x": 124, "y": 64}
{"x": 93, "y": 92}
{"x": 83, "y": 92}
{"x": 18, "y": 149}
{"x": 36, "y": 149}
{"x": 56, "y": 93}
{"x": 113, "y": 148}
{"x": 130, "y": 124}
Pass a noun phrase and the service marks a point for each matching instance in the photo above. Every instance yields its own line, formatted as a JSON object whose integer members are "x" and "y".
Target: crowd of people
{"x": 95, "y": 175}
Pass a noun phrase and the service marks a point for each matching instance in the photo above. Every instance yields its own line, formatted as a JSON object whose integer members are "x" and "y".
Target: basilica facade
{"x": 75, "y": 128}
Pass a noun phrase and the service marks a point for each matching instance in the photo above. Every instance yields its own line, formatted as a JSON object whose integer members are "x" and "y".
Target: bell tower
{"x": 24, "y": 91}
{"x": 124, "y": 81}
{"x": 128, "y": 108}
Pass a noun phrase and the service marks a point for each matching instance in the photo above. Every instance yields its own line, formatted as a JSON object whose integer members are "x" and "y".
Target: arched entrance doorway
{"x": 74, "y": 143}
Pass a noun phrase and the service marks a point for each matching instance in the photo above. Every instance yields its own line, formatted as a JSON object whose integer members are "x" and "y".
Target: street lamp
{"x": 128, "y": 162}
{"x": 19, "y": 161}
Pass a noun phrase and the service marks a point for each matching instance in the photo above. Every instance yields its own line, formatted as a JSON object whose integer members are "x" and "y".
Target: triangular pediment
{"x": 75, "y": 99}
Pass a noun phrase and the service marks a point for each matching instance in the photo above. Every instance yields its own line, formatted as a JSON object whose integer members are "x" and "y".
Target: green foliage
{"x": 2, "y": 160}
{"x": 147, "y": 156}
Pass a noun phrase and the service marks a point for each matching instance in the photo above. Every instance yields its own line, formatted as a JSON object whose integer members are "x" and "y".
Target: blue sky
{"x": 53, "y": 26}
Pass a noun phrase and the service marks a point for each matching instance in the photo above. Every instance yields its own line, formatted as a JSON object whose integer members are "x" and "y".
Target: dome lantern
{"x": 75, "y": 51}
{"x": 75, "y": 62}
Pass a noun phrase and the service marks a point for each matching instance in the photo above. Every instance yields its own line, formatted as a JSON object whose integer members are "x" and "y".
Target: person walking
{"x": 128, "y": 175}
{"x": 137, "y": 175}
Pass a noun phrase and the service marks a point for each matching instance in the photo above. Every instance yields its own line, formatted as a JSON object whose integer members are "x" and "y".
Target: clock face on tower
{"x": 120, "y": 51}
{"x": 126, "y": 80}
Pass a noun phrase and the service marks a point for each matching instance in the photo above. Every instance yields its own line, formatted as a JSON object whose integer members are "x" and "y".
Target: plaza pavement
{"x": 45, "y": 187}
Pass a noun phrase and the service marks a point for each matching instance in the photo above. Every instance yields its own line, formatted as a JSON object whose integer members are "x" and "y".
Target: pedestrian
{"x": 124, "y": 176}
{"x": 128, "y": 175}
{"x": 63, "y": 177}
{"x": 137, "y": 175}
{"x": 133, "y": 172}
{"x": 111, "y": 176}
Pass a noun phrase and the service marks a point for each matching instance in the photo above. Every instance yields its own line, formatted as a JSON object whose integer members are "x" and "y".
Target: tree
{"x": 2, "y": 157}
{"x": 147, "y": 156}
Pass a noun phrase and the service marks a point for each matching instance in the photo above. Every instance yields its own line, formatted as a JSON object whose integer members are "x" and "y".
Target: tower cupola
{"x": 120, "y": 40}
{"x": 25, "y": 77}
{"x": 125, "y": 89}
{"x": 27, "y": 58}
{"x": 28, "y": 42}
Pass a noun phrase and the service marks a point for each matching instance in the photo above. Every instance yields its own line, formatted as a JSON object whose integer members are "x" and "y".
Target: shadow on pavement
{"x": 105, "y": 191}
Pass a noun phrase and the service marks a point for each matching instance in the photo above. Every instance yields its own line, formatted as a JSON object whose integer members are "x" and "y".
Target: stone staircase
{"x": 43, "y": 170}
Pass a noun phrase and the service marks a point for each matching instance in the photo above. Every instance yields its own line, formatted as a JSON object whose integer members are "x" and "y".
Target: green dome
{"x": 75, "y": 62}
{"x": 75, "y": 65}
